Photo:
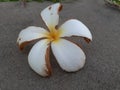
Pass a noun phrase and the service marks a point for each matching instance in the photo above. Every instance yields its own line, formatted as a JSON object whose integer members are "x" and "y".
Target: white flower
{"x": 69, "y": 55}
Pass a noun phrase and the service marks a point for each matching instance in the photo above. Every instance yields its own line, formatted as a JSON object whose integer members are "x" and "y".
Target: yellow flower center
{"x": 53, "y": 35}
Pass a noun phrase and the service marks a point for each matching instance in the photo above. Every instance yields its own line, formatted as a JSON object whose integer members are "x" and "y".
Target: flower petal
{"x": 29, "y": 34}
{"x": 50, "y": 15}
{"x": 38, "y": 58}
{"x": 69, "y": 56}
{"x": 74, "y": 27}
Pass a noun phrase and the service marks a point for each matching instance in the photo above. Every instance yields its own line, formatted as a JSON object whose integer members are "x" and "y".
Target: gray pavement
{"x": 102, "y": 68}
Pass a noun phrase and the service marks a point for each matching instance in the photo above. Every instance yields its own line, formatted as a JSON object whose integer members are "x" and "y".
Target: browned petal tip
{"x": 22, "y": 45}
{"x": 87, "y": 40}
{"x": 75, "y": 43}
{"x": 47, "y": 59}
{"x": 60, "y": 8}
{"x": 25, "y": 43}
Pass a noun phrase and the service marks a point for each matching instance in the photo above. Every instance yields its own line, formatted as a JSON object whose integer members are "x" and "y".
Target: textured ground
{"x": 102, "y": 68}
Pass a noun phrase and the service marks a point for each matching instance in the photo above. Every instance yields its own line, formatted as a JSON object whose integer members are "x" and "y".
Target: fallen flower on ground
{"x": 69, "y": 56}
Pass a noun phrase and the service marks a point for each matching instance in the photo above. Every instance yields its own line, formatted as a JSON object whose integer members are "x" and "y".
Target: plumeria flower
{"x": 69, "y": 56}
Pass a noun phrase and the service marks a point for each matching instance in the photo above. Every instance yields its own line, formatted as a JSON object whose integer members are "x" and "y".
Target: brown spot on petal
{"x": 19, "y": 39}
{"x": 87, "y": 40}
{"x": 56, "y": 27}
{"x": 47, "y": 59}
{"x": 50, "y": 8}
{"x": 60, "y": 8}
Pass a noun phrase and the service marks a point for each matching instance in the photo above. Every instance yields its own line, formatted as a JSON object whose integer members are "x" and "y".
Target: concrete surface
{"x": 102, "y": 68}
